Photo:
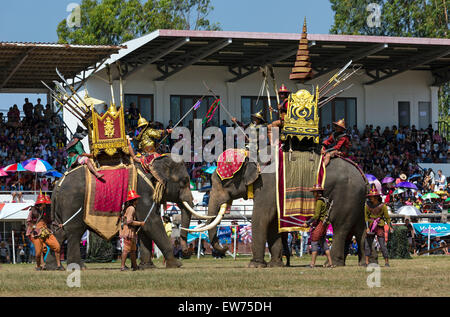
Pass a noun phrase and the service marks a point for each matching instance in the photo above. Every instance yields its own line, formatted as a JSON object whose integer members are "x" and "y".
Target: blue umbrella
{"x": 54, "y": 174}
{"x": 370, "y": 177}
{"x": 406, "y": 185}
{"x": 415, "y": 176}
{"x": 210, "y": 169}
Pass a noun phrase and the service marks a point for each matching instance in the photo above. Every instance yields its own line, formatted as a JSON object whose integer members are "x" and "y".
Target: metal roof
{"x": 243, "y": 53}
{"x": 24, "y": 65}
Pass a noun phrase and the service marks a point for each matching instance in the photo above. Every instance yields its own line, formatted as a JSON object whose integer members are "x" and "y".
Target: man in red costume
{"x": 338, "y": 143}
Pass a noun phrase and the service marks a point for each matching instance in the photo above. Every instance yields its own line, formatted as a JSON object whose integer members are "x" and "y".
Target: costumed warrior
{"x": 128, "y": 230}
{"x": 76, "y": 154}
{"x": 338, "y": 143}
{"x": 147, "y": 138}
{"x": 283, "y": 93}
{"x": 257, "y": 122}
{"x": 40, "y": 234}
{"x": 318, "y": 233}
{"x": 376, "y": 215}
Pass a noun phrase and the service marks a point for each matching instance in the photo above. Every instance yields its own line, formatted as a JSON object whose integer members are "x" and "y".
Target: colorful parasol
{"x": 37, "y": 165}
{"x": 430, "y": 196}
{"x": 54, "y": 174}
{"x": 16, "y": 167}
{"x": 370, "y": 177}
{"x": 398, "y": 191}
{"x": 387, "y": 180}
{"x": 406, "y": 185}
{"x": 2, "y": 172}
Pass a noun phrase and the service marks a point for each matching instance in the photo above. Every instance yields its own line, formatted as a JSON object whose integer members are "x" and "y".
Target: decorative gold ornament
{"x": 302, "y": 119}
{"x": 109, "y": 128}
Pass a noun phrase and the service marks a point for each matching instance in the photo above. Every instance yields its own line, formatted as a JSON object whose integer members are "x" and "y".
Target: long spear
{"x": 323, "y": 102}
{"x": 335, "y": 77}
{"x": 69, "y": 108}
{"x": 71, "y": 88}
{"x": 223, "y": 107}
{"x": 264, "y": 72}
{"x": 343, "y": 78}
{"x": 73, "y": 103}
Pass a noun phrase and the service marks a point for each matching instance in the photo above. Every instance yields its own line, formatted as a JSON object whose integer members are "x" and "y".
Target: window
{"x": 424, "y": 115}
{"x": 180, "y": 105}
{"x": 337, "y": 109}
{"x": 144, "y": 104}
{"x": 403, "y": 114}
{"x": 251, "y": 105}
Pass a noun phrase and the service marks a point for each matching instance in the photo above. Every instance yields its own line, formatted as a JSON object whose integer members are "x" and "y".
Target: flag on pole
{"x": 197, "y": 104}
{"x": 211, "y": 111}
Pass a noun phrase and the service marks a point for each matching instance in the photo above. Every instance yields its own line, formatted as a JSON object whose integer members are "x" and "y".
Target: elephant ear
{"x": 160, "y": 169}
{"x": 251, "y": 173}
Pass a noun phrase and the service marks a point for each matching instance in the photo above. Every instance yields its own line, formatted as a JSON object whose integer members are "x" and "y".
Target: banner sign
{"x": 435, "y": 229}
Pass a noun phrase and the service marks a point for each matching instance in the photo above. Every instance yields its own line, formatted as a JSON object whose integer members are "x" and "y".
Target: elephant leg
{"x": 260, "y": 227}
{"x": 73, "y": 246}
{"x": 276, "y": 244}
{"x": 337, "y": 250}
{"x": 154, "y": 229}
{"x": 360, "y": 238}
{"x": 145, "y": 252}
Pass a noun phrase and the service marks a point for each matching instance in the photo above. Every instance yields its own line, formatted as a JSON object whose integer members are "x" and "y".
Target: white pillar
{"x": 434, "y": 106}
{"x": 13, "y": 247}
{"x": 362, "y": 108}
{"x": 161, "y": 110}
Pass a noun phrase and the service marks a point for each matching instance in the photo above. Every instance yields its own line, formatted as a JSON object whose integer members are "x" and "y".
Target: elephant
{"x": 177, "y": 190}
{"x": 344, "y": 185}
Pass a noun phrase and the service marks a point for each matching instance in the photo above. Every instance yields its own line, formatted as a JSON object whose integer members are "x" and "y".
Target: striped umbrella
{"x": 16, "y": 167}
{"x": 37, "y": 165}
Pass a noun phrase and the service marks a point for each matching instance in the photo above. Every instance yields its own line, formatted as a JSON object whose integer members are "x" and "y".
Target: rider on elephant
{"x": 77, "y": 156}
{"x": 39, "y": 234}
{"x": 128, "y": 229}
{"x": 257, "y": 122}
{"x": 376, "y": 216}
{"x": 338, "y": 143}
{"x": 147, "y": 139}
{"x": 320, "y": 230}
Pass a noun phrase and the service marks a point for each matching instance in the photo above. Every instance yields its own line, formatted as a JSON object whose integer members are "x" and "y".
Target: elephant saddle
{"x": 104, "y": 198}
{"x": 296, "y": 176}
{"x": 230, "y": 162}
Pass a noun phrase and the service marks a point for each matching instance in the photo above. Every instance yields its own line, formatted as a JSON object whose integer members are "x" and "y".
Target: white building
{"x": 165, "y": 71}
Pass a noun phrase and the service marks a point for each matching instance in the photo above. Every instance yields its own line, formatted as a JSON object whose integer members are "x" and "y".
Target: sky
{"x": 36, "y": 21}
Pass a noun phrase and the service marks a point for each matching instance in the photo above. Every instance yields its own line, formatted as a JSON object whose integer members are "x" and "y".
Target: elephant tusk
{"x": 195, "y": 213}
{"x": 216, "y": 221}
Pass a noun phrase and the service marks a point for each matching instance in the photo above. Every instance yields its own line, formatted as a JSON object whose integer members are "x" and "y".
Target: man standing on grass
{"x": 376, "y": 214}
{"x": 319, "y": 232}
{"x": 128, "y": 230}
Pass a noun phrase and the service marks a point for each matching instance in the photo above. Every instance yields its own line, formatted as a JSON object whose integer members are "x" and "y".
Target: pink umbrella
{"x": 2, "y": 172}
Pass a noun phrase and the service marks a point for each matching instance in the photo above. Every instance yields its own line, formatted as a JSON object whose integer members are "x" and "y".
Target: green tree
{"x": 418, "y": 18}
{"x": 112, "y": 22}
{"x": 410, "y": 18}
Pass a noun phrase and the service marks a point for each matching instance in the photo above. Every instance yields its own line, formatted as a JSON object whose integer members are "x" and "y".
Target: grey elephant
{"x": 68, "y": 198}
{"x": 344, "y": 185}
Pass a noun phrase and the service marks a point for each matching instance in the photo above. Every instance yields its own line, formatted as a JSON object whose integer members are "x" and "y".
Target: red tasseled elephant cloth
{"x": 111, "y": 193}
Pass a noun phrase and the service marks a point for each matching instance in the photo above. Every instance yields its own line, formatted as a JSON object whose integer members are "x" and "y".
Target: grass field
{"x": 419, "y": 277}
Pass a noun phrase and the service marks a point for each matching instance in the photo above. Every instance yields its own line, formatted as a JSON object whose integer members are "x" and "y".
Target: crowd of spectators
{"x": 38, "y": 133}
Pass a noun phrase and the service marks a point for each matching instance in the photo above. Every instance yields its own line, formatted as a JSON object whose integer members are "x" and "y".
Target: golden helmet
{"x": 142, "y": 122}
{"x": 259, "y": 116}
{"x": 340, "y": 123}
